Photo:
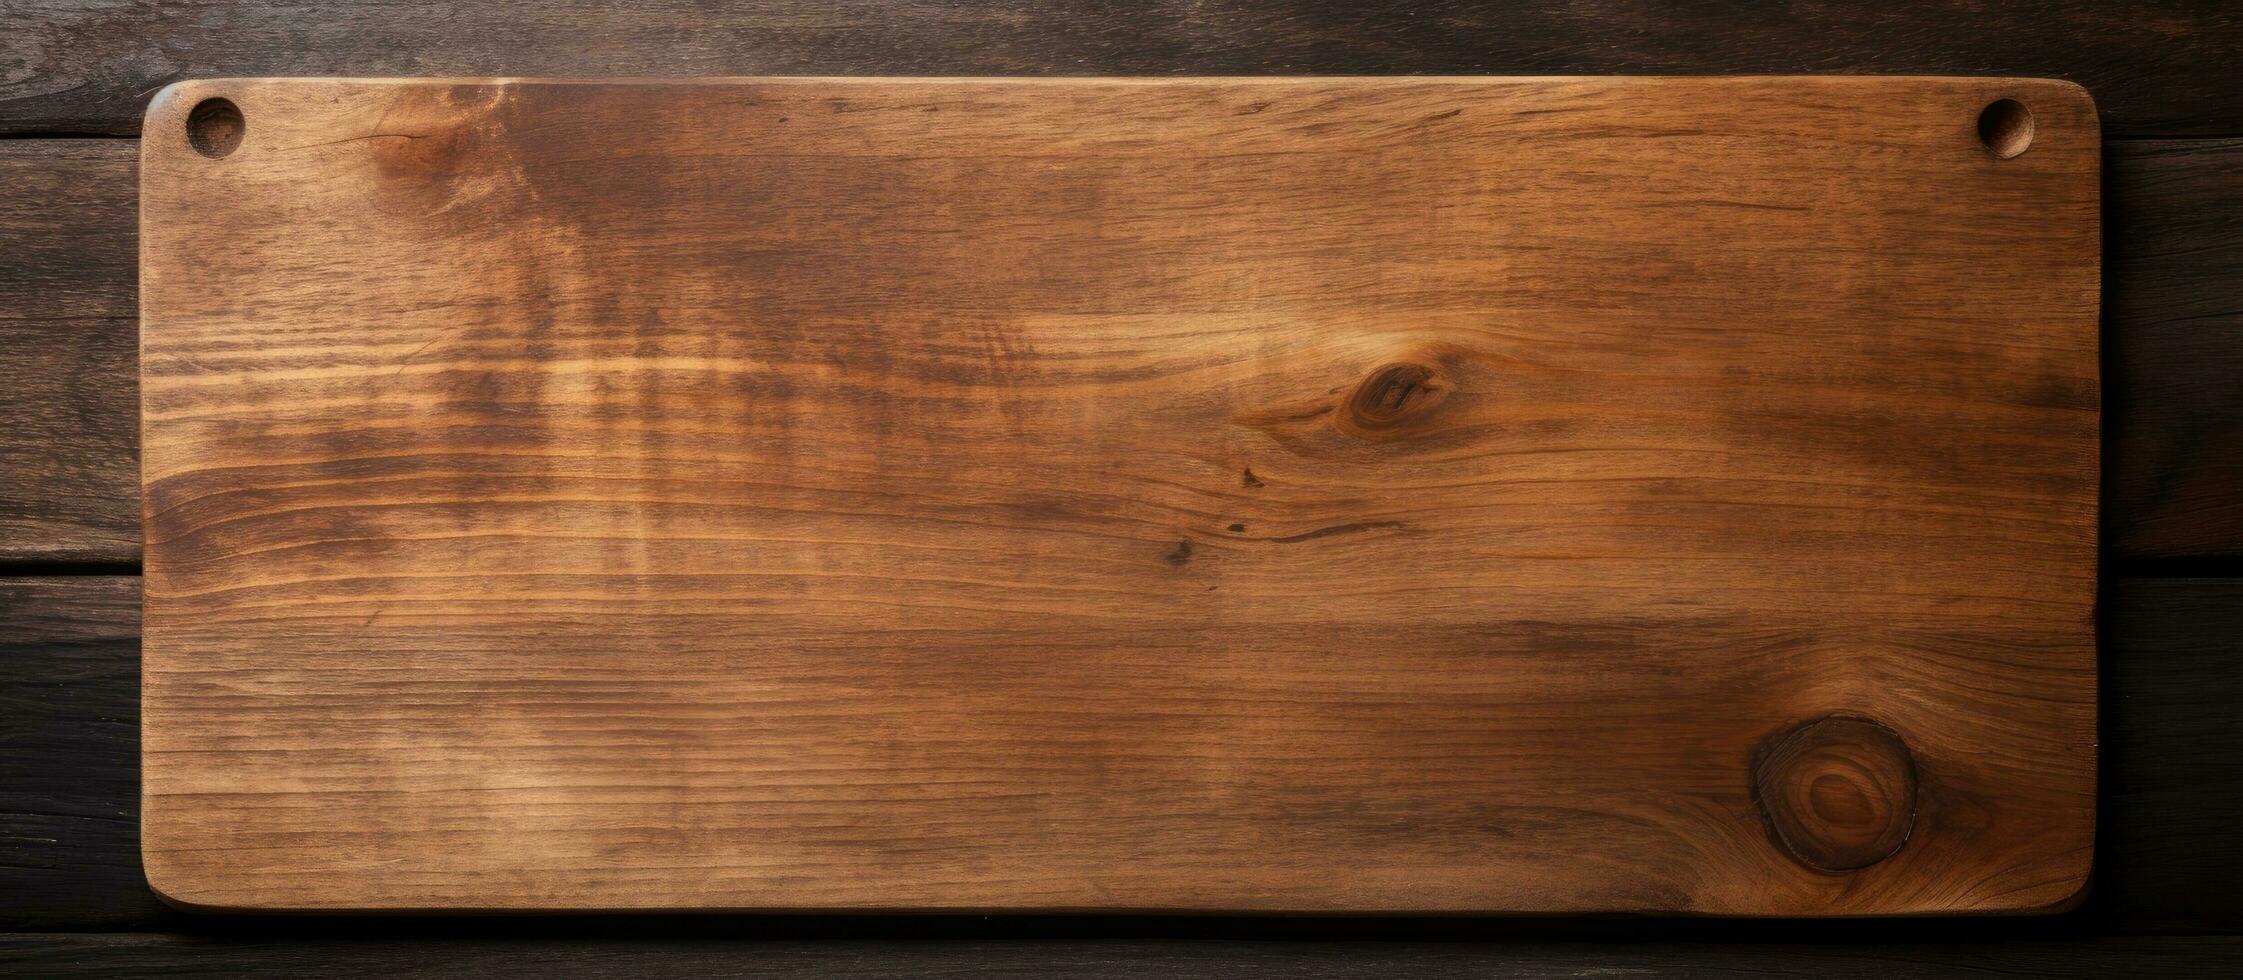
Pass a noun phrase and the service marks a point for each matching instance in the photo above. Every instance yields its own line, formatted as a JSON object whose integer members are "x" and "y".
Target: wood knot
{"x": 1182, "y": 556}
{"x": 1837, "y": 794}
{"x": 1395, "y": 395}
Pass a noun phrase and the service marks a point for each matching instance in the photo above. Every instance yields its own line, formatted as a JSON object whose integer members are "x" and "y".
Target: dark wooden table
{"x": 2167, "y": 75}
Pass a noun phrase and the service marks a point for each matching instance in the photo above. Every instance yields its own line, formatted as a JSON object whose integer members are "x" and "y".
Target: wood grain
{"x": 2158, "y": 67}
{"x": 70, "y": 755}
{"x": 69, "y": 357}
{"x": 2171, "y": 796}
{"x": 2175, "y": 309}
{"x": 1016, "y": 495}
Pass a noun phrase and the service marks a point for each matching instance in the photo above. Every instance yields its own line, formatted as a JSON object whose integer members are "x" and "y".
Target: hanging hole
{"x": 2006, "y": 127}
{"x": 214, "y": 127}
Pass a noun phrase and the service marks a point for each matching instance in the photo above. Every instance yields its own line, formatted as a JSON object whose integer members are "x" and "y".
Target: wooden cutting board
{"x": 1522, "y": 495}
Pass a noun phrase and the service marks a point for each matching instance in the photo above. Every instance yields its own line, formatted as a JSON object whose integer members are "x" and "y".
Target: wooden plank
{"x": 2158, "y": 68}
{"x": 70, "y": 755}
{"x": 2171, "y": 796}
{"x": 2174, "y": 305}
{"x": 122, "y": 956}
{"x": 69, "y": 352}
{"x": 2173, "y": 288}
{"x": 2172, "y": 755}
{"x": 1080, "y": 494}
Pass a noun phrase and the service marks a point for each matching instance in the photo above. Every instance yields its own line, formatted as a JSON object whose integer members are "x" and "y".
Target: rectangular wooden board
{"x": 1515, "y": 495}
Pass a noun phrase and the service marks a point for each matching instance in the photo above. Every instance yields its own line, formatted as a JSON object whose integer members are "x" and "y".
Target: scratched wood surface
{"x": 1510, "y": 495}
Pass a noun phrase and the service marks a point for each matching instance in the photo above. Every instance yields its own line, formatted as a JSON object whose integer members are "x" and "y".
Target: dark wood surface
{"x": 2156, "y": 67}
{"x": 2174, "y": 224}
{"x": 123, "y": 956}
{"x": 70, "y": 755}
{"x": 2168, "y": 851}
{"x": 2173, "y": 349}
{"x": 69, "y": 355}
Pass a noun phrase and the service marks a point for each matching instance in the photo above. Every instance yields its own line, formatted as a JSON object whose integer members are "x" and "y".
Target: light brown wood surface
{"x": 1527, "y": 495}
